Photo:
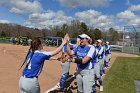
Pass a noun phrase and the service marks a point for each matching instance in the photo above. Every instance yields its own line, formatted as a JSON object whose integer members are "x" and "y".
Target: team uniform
{"x": 85, "y": 75}
{"x": 65, "y": 69}
{"x": 103, "y": 69}
{"x": 99, "y": 64}
{"x": 101, "y": 58}
{"x": 28, "y": 82}
{"x": 107, "y": 54}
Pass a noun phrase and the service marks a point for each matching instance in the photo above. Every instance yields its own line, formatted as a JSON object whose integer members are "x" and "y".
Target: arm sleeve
{"x": 101, "y": 50}
{"x": 91, "y": 52}
{"x": 107, "y": 48}
{"x": 47, "y": 55}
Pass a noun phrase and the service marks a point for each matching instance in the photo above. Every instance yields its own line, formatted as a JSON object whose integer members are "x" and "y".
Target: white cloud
{"x": 129, "y": 18}
{"x": 85, "y": 3}
{"x": 135, "y": 21}
{"x": 95, "y": 19}
{"x": 126, "y": 15}
{"x": 48, "y": 19}
{"x": 4, "y": 21}
{"x": 134, "y": 8}
{"x": 21, "y": 6}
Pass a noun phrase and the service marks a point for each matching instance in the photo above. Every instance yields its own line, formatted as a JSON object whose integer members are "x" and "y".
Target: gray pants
{"x": 29, "y": 85}
{"x": 107, "y": 57}
{"x": 101, "y": 63}
{"x": 65, "y": 67}
{"x": 85, "y": 80}
{"x": 97, "y": 70}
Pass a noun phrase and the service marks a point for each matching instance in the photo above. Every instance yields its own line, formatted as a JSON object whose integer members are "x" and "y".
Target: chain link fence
{"x": 130, "y": 42}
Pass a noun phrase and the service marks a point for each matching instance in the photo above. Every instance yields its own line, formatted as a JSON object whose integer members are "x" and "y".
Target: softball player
{"x": 65, "y": 69}
{"x": 103, "y": 65}
{"x": 107, "y": 53}
{"x": 99, "y": 65}
{"x": 35, "y": 58}
{"x": 85, "y": 75}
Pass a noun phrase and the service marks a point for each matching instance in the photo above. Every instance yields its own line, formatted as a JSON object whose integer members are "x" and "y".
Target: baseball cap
{"x": 100, "y": 41}
{"x": 84, "y": 36}
{"x": 107, "y": 42}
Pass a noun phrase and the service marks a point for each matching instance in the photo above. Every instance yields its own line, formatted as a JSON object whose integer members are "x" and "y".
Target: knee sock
{"x": 100, "y": 81}
{"x": 94, "y": 88}
{"x": 63, "y": 80}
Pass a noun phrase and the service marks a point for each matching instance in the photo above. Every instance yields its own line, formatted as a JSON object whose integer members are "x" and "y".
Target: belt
{"x": 100, "y": 58}
{"x": 108, "y": 53}
{"x": 30, "y": 77}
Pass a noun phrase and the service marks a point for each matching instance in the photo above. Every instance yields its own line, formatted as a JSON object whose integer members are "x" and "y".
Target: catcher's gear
{"x": 64, "y": 57}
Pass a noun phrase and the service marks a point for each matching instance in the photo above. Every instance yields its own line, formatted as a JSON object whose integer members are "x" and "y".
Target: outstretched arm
{"x": 54, "y": 58}
{"x": 69, "y": 51}
{"x": 57, "y": 50}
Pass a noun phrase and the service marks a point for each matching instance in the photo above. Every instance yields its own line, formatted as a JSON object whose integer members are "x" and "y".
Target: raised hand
{"x": 78, "y": 41}
{"x": 67, "y": 37}
{"x": 64, "y": 41}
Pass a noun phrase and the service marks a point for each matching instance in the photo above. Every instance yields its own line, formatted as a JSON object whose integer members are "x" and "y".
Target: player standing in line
{"x": 34, "y": 60}
{"x": 85, "y": 71}
{"x": 99, "y": 64}
{"x": 103, "y": 60}
{"x": 107, "y": 54}
{"x": 65, "y": 67}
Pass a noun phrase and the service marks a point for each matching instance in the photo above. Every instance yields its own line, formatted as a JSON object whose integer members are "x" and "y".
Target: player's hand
{"x": 64, "y": 57}
{"x": 67, "y": 37}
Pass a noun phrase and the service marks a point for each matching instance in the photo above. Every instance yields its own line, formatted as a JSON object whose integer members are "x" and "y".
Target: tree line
{"x": 73, "y": 29}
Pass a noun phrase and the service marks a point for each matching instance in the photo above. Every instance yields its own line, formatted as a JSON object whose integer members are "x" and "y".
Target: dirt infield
{"x": 12, "y": 56}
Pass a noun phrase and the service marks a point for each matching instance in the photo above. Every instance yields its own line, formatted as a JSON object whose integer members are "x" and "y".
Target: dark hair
{"x": 35, "y": 43}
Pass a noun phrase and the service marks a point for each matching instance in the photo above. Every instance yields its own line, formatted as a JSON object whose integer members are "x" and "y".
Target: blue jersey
{"x": 107, "y": 49}
{"x": 65, "y": 48}
{"x": 34, "y": 68}
{"x": 101, "y": 51}
{"x": 81, "y": 52}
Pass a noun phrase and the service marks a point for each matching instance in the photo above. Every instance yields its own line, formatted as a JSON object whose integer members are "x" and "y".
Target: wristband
{"x": 78, "y": 60}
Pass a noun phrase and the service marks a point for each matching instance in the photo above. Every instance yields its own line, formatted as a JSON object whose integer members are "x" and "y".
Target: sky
{"x": 49, "y": 13}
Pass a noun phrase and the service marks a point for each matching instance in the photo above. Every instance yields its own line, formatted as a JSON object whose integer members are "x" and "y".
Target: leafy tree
{"x": 3, "y": 34}
{"x": 60, "y": 34}
{"x": 113, "y": 35}
{"x": 97, "y": 34}
{"x": 84, "y": 28}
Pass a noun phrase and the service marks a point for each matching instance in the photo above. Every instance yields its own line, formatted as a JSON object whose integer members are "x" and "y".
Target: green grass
{"x": 121, "y": 76}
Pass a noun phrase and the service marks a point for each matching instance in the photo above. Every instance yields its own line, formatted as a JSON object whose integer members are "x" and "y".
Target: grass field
{"x": 121, "y": 76}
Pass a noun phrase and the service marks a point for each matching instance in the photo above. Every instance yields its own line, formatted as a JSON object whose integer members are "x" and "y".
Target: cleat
{"x": 101, "y": 88}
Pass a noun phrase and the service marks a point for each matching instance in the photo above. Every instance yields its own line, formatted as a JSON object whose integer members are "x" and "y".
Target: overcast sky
{"x": 48, "y": 13}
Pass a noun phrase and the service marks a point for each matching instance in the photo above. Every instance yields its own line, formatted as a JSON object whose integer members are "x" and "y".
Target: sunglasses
{"x": 82, "y": 38}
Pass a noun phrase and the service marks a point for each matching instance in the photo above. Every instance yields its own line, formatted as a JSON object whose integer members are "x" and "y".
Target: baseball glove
{"x": 64, "y": 57}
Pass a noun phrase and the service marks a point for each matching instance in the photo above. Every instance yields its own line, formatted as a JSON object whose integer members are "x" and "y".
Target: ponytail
{"x": 25, "y": 59}
{"x": 34, "y": 46}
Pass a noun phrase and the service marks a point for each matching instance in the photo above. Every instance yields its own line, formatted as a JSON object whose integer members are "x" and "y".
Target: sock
{"x": 100, "y": 81}
{"x": 94, "y": 88}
